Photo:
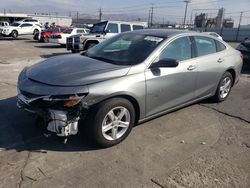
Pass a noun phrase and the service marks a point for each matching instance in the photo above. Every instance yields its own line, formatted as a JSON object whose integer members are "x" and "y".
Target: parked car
{"x": 129, "y": 78}
{"x": 244, "y": 48}
{"x": 16, "y": 29}
{"x": 61, "y": 38}
{"x": 215, "y": 35}
{"x": 44, "y": 36}
{"x": 30, "y": 21}
{"x": 99, "y": 32}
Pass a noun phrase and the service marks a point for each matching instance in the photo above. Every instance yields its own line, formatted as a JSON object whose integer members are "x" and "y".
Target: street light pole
{"x": 185, "y": 1}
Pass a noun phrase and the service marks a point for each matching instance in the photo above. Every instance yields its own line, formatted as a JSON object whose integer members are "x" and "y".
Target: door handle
{"x": 191, "y": 67}
{"x": 220, "y": 60}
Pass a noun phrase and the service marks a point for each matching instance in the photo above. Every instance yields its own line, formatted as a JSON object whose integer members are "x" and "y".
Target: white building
{"x": 42, "y": 18}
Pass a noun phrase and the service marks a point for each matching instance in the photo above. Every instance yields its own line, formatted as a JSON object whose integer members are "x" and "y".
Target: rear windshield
{"x": 68, "y": 31}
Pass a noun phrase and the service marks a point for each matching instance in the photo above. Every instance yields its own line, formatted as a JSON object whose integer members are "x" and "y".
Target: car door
{"x": 210, "y": 64}
{"x": 112, "y": 29}
{"x": 172, "y": 86}
{"x": 25, "y": 29}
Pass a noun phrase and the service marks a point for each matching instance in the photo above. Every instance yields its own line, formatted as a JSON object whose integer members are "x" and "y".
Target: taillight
{"x": 241, "y": 56}
{"x": 58, "y": 36}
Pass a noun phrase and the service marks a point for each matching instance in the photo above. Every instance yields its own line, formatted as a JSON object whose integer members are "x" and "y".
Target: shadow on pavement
{"x": 54, "y": 54}
{"x": 20, "y": 131}
{"x": 51, "y": 46}
{"x": 10, "y": 38}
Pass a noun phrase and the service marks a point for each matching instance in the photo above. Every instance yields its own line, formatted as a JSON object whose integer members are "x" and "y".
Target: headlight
{"x": 66, "y": 101}
{"x": 22, "y": 74}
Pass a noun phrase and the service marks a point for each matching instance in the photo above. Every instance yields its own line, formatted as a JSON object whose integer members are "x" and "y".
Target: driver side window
{"x": 179, "y": 49}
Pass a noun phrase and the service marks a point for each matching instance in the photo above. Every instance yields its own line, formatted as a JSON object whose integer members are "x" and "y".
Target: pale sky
{"x": 164, "y": 10}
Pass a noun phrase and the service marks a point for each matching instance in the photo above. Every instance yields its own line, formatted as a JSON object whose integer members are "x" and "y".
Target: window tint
{"x": 137, "y": 27}
{"x": 180, "y": 49}
{"x": 80, "y": 31}
{"x": 125, "y": 27}
{"x": 220, "y": 46}
{"x": 26, "y": 25}
{"x": 112, "y": 27}
{"x": 205, "y": 45}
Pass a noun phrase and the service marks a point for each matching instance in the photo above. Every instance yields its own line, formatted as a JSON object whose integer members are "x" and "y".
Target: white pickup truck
{"x": 100, "y": 32}
{"x": 16, "y": 29}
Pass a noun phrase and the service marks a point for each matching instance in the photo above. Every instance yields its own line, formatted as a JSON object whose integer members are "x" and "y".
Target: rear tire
{"x": 112, "y": 121}
{"x": 14, "y": 34}
{"x": 224, "y": 87}
{"x": 75, "y": 51}
{"x": 35, "y": 31}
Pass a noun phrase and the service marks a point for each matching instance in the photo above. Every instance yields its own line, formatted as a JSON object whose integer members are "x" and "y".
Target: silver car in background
{"x": 128, "y": 79}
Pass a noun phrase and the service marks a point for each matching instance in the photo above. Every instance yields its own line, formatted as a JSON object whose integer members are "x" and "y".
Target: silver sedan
{"x": 128, "y": 79}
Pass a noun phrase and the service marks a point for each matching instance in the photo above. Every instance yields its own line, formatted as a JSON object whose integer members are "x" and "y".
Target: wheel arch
{"x": 233, "y": 73}
{"x": 90, "y": 41}
{"x": 128, "y": 97}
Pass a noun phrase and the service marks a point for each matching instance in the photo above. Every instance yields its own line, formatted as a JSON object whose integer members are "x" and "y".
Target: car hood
{"x": 74, "y": 70}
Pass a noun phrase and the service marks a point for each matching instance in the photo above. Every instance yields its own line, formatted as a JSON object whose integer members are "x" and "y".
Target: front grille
{"x": 69, "y": 40}
{"x": 77, "y": 39}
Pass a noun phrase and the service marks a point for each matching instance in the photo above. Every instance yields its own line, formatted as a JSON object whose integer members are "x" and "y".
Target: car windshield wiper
{"x": 102, "y": 59}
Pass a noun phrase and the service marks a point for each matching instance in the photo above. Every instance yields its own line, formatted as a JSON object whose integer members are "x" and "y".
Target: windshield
{"x": 125, "y": 49}
{"x": 15, "y": 24}
{"x": 68, "y": 31}
{"x": 98, "y": 28}
{"x": 53, "y": 29}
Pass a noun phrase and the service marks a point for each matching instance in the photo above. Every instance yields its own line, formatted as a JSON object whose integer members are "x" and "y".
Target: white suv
{"x": 16, "y": 29}
{"x": 29, "y": 20}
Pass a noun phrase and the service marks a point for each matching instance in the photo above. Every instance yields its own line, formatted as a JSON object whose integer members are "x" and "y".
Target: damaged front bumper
{"x": 61, "y": 114}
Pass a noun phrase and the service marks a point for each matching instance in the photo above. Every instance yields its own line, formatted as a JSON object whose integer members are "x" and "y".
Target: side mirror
{"x": 107, "y": 31}
{"x": 165, "y": 63}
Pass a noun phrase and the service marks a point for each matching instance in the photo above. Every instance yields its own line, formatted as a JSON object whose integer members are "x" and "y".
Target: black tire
{"x": 218, "y": 96}
{"x": 90, "y": 45}
{"x": 14, "y": 34}
{"x": 100, "y": 112}
{"x": 75, "y": 51}
{"x": 46, "y": 39}
{"x": 35, "y": 31}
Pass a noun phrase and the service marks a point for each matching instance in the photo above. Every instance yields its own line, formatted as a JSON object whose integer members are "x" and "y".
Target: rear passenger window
{"x": 125, "y": 27}
{"x": 137, "y": 27}
{"x": 220, "y": 46}
{"x": 80, "y": 31}
{"x": 205, "y": 46}
{"x": 179, "y": 49}
{"x": 112, "y": 28}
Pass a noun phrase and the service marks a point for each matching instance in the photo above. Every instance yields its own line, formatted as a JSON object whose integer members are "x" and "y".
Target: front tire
{"x": 224, "y": 87}
{"x": 46, "y": 39}
{"x": 14, "y": 34}
{"x": 112, "y": 122}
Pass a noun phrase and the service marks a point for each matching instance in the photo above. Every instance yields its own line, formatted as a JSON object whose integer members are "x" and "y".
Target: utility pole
{"x": 238, "y": 30}
{"x": 152, "y": 14}
{"x": 100, "y": 14}
{"x": 149, "y": 17}
{"x": 77, "y": 16}
{"x": 185, "y": 16}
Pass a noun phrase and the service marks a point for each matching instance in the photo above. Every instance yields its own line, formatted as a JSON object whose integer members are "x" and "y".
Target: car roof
{"x": 162, "y": 32}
